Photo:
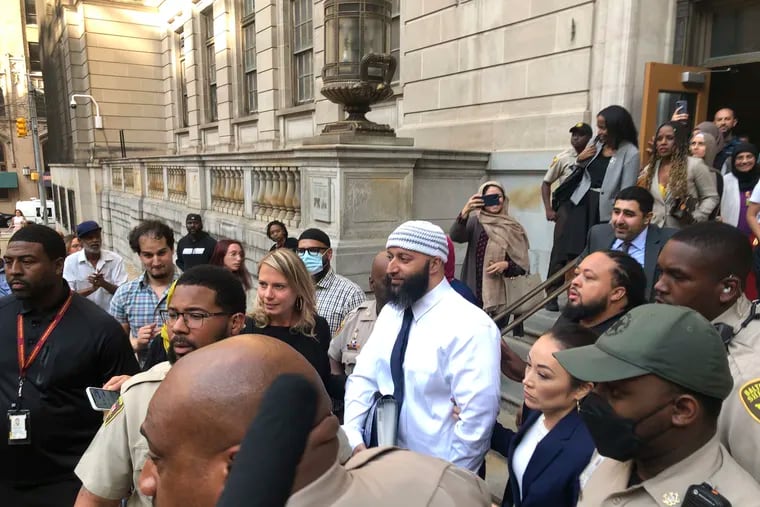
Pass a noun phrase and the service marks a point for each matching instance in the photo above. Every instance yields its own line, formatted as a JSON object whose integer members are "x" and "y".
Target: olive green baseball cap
{"x": 672, "y": 342}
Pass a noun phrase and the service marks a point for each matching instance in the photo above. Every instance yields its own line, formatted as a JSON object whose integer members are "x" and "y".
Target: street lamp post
{"x": 358, "y": 66}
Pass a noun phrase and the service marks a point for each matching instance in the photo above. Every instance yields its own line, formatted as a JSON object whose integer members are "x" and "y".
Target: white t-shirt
{"x": 526, "y": 448}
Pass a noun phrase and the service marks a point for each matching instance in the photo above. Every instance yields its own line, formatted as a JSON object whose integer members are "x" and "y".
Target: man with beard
{"x": 336, "y": 295}
{"x": 94, "y": 272}
{"x": 197, "y": 246}
{"x": 631, "y": 232}
{"x": 606, "y": 285}
{"x": 198, "y": 418}
{"x": 430, "y": 349}
{"x": 725, "y": 119}
{"x": 704, "y": 268}
{"x": 357, "y": 328}
{"x": 63, "y": 344}
{"x": 208, "y": 305}
{"x": 661, "y": 376}
{"x": 137, "y": 304}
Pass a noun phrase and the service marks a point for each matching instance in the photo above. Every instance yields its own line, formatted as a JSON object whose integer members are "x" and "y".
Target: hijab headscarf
{"x": 747, "y": 180}
{"x": 711, "y": 147}
{"x": 506, "y": 237}
{"x": 708, "y": 127}
{"x": 451, "y": 262}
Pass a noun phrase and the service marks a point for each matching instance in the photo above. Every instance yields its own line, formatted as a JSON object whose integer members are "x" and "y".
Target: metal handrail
{"x": 525, "y": 316}
{"x": 542, "y": 286}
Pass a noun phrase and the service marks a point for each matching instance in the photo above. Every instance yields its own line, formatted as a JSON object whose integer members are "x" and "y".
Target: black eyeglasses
{"x": 312, "y": 250}
{"x": 193, "y": 320}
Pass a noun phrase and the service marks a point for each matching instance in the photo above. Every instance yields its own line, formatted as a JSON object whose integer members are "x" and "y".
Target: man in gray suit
{"x": 630, "y": 231}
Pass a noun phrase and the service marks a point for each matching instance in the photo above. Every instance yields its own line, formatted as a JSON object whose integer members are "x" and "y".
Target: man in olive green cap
{"x": 662, "y": 375}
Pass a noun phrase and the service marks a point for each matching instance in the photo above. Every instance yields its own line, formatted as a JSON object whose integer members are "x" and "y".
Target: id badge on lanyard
{"x": 19, "y": 420}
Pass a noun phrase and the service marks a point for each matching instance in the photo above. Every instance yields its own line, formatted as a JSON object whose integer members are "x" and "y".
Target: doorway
{"x": 737, "y": 89}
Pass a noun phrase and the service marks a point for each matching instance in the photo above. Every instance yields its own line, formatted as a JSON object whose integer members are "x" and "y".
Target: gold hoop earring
{"x": 299, "y": 303}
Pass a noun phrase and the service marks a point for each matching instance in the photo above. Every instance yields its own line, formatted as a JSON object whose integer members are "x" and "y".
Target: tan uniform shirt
{"x": 389, "y": 476}
{"x": 739, "y": 421}
{"x": 561, "y": 166}
{"x": 353, "y": 335}
{"x": 111, "y": 466}
{"x": 607, "y": 485}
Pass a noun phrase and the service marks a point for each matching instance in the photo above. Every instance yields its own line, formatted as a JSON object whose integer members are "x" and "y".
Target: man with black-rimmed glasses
{"x": 207, "y": 305}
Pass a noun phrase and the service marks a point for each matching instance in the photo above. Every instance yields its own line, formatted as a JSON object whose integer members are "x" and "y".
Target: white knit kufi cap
{"x": 420, "y": 236}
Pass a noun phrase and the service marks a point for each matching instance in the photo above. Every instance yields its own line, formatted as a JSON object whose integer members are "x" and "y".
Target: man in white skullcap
{"x": 429, "y": 346}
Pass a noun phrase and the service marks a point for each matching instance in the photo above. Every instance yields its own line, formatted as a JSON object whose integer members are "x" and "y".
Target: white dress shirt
{"x": 453, "y": 352}
{"x": 637, "y": 248}
{"x": 77, "y": 269}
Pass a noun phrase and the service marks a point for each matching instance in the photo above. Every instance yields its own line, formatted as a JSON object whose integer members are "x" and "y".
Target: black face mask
{"x": 614, "y": 436}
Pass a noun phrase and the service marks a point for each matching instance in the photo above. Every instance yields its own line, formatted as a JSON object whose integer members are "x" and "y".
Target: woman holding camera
{"x": 497, "y": 246}
{"x": 683, "y": 187}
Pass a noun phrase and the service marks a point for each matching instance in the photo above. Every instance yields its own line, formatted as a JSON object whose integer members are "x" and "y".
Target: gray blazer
{"x": 621, "y": 173}
{"x": 602, "y": 236}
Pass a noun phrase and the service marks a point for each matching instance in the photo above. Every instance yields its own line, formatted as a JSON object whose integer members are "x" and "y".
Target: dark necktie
{"x": 397, "y": 357}
{"x": 625, "y": 247}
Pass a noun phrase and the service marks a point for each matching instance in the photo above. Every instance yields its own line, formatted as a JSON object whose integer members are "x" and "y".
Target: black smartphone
{"x": 491, "y": 200}
{"x": 682, "y": 106}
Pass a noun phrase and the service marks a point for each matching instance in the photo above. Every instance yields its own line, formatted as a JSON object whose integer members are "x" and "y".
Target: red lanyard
{"x": 23, "y": 363}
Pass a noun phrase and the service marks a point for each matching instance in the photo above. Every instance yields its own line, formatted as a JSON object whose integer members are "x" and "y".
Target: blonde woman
{"x": 683, "y": 187}
{"x": 286, "y": 309}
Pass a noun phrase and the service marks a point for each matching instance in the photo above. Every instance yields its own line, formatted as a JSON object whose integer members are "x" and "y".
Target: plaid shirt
{"x": 135, "y": 303}
{"x": 336, "y": 297}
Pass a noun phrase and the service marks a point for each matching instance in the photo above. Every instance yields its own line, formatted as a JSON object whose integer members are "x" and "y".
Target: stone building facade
{"x": 20, "y": 50}
{"x": 215, "y": 98}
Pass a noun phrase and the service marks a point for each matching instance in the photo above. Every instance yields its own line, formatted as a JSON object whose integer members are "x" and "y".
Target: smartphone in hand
{"x": 682, "y": 107}
{"x": 101, "y": 399}
{"x": 491, "y": 200}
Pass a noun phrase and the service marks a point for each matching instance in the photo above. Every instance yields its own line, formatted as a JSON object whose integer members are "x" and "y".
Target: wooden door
{"x": 664, "y": 84}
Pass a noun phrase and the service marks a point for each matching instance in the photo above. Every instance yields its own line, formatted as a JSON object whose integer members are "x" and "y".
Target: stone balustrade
{"x": 117, "y": 177}
{"x": 276, "y": 194}
{"x": 156, "y": 181}
{"x": 177, "y": 184}
{"x": 227, "y": 194}
{"x": 129, "y": 179}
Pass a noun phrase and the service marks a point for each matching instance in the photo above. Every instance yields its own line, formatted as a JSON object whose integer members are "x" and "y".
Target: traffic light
{"x": 21, "y": 127}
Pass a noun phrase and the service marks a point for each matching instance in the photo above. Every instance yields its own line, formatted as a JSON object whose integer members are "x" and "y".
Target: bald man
{"x": 358, "y": 325}
{"x": 197, "y": 419}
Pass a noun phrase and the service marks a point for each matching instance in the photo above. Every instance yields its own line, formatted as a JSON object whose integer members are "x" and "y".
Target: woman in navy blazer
{"x": 552, "y": 447}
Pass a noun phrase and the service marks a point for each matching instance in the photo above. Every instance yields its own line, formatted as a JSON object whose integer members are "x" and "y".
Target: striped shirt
{"x": 336, "y": 297}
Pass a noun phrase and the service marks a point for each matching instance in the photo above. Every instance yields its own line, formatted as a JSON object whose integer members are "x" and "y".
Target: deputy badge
{"x": 619, "y": 326}
{"x": 670, "y": 499}
{"x": 750, "y": 396}
{"x": 115, "y": 409}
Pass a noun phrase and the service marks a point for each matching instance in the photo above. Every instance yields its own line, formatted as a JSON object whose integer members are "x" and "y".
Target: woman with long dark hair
{"x": 547, "y": 454}
{"x": 610, "y": 164}
{"x": 229, "y": 254}
{"x": 683, "y": 187}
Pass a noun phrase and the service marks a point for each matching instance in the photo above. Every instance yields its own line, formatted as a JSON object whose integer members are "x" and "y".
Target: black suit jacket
{"x": 551, "y": 478}
{"x": 602, "y": 237}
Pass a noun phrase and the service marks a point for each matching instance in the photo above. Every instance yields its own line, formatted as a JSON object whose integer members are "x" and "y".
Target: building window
{"x": 248, "y": 32}
{"x": 34, "y": 57}
{"x": 182, "y": 80}
{"x": 2, "y": 102}
{"x": 31, "y": 12}
{"x": 396, "y": 37}
{"x": 207, "y": 20}
{"x": 303, "y": 53}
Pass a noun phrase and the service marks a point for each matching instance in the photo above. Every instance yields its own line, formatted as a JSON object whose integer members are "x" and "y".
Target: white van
{"x": 33, "y": 213}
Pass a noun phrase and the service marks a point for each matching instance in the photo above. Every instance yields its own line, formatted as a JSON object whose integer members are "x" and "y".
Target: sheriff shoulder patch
{"x": 750, "y": 396}
{"x": 115, "y": 409}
